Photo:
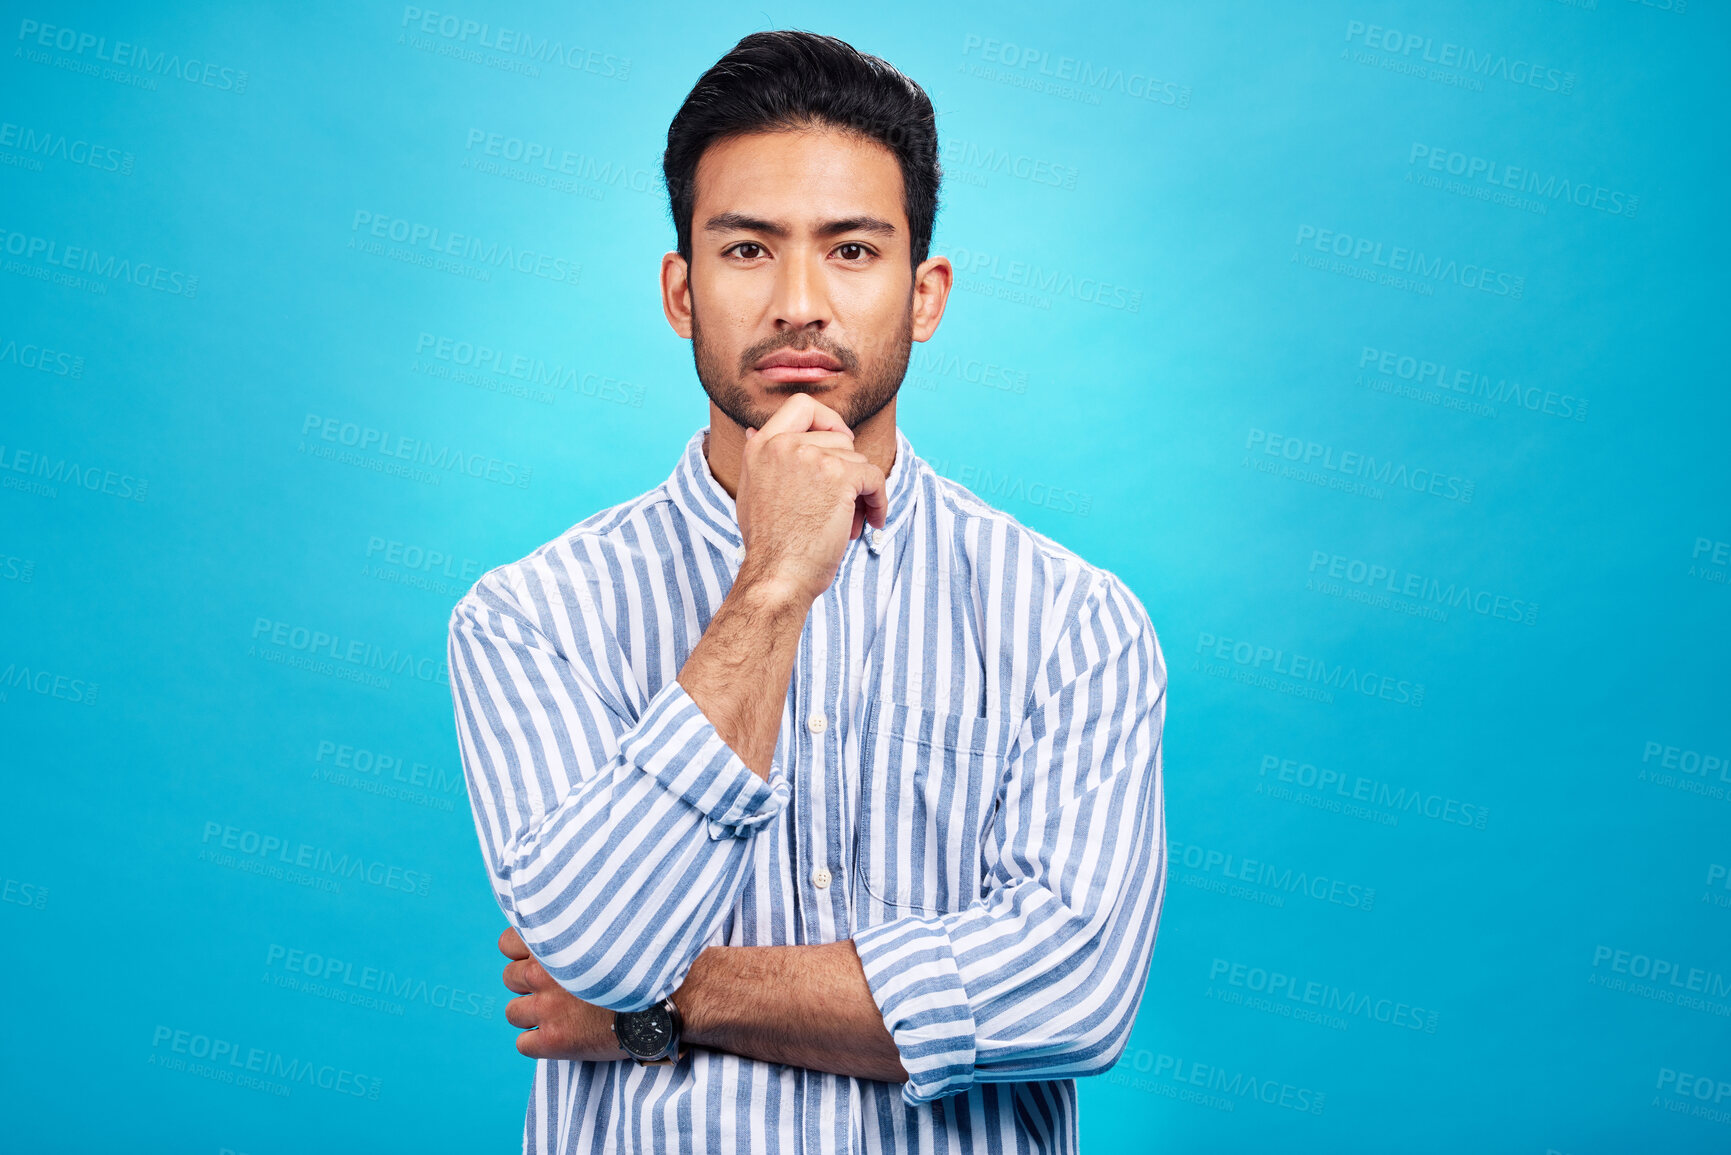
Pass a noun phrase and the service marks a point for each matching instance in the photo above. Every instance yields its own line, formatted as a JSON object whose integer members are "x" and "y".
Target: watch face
{"x": 644, "y": 1033}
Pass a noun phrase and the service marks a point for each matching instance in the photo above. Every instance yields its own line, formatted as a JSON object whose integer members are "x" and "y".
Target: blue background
{"x": 1340, "y": 922}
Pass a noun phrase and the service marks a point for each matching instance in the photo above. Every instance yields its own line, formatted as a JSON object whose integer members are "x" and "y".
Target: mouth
{"x": 789, "y": 366}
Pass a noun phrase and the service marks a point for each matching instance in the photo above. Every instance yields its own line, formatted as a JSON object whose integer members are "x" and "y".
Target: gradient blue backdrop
{"x": 1378, "y": 347}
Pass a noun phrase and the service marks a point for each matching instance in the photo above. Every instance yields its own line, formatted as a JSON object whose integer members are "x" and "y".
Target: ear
{"x": 676, "y": 293}
{"x": 932, "y": 282}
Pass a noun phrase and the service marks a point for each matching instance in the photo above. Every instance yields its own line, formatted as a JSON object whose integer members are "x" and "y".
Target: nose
{"x": 801, "y": 301}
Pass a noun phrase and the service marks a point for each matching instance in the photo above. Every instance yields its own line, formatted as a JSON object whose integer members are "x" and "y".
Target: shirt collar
{"x": 702, "y": 499}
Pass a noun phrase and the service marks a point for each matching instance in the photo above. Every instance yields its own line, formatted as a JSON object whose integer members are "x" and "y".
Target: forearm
{"x": 739, "y": 670}
{"x": 803, "y": 1006}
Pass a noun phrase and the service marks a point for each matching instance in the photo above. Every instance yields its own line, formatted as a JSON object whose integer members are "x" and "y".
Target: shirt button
{"x": 820, "y": 878}
{"x": 817, "y": 723}
{"x": 878, "y": 538}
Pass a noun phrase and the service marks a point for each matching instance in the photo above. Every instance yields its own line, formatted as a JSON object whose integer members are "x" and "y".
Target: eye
{"x": 740, "y": 248}
{"x": 852, "y": 251}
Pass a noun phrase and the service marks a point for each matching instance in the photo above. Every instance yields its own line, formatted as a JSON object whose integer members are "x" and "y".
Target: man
{"x": 823, "y": 800}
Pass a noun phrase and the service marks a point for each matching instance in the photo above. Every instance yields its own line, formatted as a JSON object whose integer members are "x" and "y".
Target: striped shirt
{"x": 967, "y": 783}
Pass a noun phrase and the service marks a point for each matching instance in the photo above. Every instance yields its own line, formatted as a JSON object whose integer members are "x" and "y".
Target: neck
{"x": 875, "y": 437}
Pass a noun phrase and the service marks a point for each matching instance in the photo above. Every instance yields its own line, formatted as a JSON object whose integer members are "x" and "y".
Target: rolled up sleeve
{"x": 1040, "y": 977}
{"x": 676, "y": 745}
{"x": 616, "y": 836}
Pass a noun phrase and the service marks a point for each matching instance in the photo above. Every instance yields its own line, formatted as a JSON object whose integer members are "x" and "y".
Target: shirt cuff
{"x": 911, "y": 969}
{"x": 677, "y": 745}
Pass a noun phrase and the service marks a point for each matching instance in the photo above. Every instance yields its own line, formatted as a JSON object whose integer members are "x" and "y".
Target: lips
{"x": 791, "y": 365}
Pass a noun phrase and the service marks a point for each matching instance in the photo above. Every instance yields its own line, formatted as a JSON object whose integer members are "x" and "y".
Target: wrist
{"x": 702, "y": 1015}
{"x": 769, "y": 591}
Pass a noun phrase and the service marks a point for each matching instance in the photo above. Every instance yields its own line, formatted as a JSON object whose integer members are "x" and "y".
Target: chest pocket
{"x": 928, "y": 783}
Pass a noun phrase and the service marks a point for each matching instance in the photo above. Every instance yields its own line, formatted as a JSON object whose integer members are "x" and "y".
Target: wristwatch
{"x": 649, "y": 1036}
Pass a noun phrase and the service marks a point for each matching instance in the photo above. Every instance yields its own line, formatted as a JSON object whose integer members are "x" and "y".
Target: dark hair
{"x": 774, "y": 81}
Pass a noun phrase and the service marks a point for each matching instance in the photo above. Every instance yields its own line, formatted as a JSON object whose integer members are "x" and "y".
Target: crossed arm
{"x": 803, "y": 1006}
{"x": 617, "y": 836}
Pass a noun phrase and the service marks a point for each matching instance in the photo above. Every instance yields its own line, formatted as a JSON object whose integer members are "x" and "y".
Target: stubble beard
{"x": 876, "y": 382}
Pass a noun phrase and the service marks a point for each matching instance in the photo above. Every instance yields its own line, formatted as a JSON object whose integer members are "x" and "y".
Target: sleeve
{"x": 616, "y": 845}
{"x": 1040, "y": 978}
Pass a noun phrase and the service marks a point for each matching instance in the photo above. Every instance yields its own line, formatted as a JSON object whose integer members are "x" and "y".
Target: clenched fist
{"x": 804, "y": 493}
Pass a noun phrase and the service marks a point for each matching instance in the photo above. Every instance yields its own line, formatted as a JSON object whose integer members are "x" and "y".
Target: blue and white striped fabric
{"x": 967, "y": 783}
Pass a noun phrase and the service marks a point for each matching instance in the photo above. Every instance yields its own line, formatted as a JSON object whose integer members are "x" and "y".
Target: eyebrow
{"x": 743, "y": 222}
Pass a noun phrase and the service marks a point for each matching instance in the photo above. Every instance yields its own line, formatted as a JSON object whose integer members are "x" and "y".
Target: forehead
{"x": 799, "y": 176}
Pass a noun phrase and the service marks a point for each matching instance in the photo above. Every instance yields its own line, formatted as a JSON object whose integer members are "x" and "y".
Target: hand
{"x": 556, "y": 1023}
{"x": 802, "y": 487}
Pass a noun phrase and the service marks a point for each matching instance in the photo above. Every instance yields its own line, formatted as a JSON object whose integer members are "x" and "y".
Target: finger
{"x": 517, "y": 976}
{"x": 529, "y": 975}
{"x": 524, "y": 1013}
{"x": 801, "y": 413}
{"x": 823, "y": 439}
{"x": 871, "y": 488}
{"x": 823, "y": 417}
{"x": 511, "y": 944}
{"x": 531, "y": 1045}
{"x": 858, "y": 520}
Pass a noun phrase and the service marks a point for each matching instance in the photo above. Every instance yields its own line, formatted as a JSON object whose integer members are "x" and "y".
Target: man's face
{"x": 800, "y": 278}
